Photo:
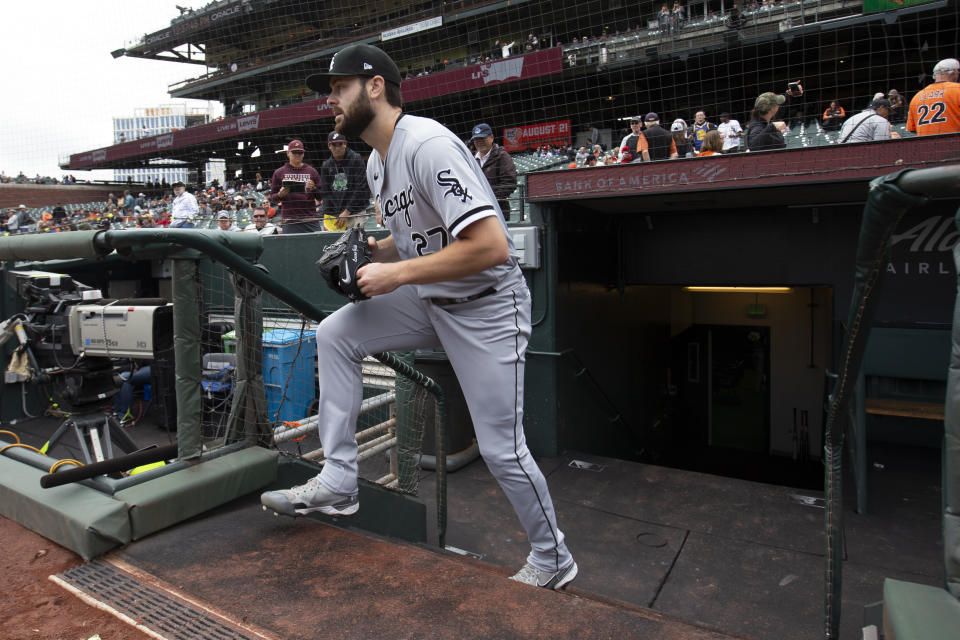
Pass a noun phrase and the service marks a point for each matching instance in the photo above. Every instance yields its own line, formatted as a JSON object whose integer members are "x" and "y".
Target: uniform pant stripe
{"x": 516, "y": 426}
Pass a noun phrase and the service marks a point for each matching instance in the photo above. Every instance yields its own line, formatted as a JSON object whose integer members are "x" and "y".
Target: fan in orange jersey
{"x": 936, "y": 109}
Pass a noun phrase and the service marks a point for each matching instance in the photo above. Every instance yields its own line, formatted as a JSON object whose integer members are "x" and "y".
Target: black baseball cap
{"x": 336, "y": 136}
{"x": 356, "y": 60}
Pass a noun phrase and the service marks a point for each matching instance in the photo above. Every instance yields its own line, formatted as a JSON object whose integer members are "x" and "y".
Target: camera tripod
{"x": 96, "y": 434}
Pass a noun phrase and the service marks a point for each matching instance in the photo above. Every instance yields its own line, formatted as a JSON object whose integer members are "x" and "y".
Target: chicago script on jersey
{"x": 401, "y": 201}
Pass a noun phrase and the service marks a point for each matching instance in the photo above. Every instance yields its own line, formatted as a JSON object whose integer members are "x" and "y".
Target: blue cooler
{"x": 284, "y": 365}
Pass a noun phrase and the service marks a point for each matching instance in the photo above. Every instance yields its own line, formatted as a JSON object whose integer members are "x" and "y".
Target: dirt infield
{"x": 37, "y": 609}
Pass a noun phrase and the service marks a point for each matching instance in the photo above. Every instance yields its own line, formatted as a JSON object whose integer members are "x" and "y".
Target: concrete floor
{"x": 674, "y": 553}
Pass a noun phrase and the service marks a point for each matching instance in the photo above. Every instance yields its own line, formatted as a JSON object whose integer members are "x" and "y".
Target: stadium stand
{"x": 597, "y": 65}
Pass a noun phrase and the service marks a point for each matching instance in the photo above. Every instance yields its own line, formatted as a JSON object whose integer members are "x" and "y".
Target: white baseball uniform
{"x": 429, "y": 190}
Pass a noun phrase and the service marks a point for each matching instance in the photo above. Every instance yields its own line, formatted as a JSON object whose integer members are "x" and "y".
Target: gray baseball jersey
{"x": 431, "y": 192}
{"x": 430, "y": 189}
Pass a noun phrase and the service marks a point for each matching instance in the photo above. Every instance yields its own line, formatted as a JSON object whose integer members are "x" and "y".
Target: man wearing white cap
{"x": 936, "y": 109}
{"x": 225, "y": 222}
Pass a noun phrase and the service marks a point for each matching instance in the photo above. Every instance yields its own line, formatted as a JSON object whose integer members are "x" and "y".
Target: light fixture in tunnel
{"x": 721, "y": 289}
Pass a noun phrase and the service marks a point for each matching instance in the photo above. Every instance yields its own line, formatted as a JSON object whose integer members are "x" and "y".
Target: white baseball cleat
{"x": 529, "y": 574}
{"x": 308, "y": 498}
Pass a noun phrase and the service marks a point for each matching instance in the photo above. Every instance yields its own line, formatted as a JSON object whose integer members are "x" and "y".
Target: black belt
{"x": 445, "y": 301}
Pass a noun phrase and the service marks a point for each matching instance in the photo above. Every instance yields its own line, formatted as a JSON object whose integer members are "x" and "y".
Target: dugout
{"x": 644, "y": 365}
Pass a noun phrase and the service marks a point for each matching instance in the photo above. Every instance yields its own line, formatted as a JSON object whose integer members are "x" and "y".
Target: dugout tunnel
{"x": 651, "y": 356}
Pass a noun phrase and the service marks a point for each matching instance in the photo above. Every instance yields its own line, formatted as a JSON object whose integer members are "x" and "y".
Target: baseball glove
{"x": 339, "y": 263}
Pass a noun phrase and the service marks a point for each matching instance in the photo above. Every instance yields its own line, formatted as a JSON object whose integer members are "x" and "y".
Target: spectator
{"x": 59, "y": 213}
{"x": 591, "y": 161}
{"x": 663, "y": 20}
{"x": 736, "y": 19}
{"x": 140, "y": 200}
{"x": 225, "y": 222}
{"x": 12, "y": 224}
{"x": 594, "y": 135}
{"x": 260, "y": 224}
{"x": 343, "y": 183}
{"x": 629, "y": 142}
{"x": 126, "y": 203}
{"x": 700, "y": 128}
{"x": 898, "y": 110}
{"x": 763, "y": 133}
{"x": 833, "y": 116}
{"x": 677, "y": 16}
{"x": 580, "y": 158}
{"x": 655, "y": 143}
{"x": 497, "y": 166}
{"x": 295, "y": 187}
{"x": 936, "y": 109}
{"x": 184, "y": 207}
{"x": 869, "y": 124}
{"x": 680, "y": 139}
{"x": 712, "y": 144}
{"x": 730, "y": 132}
{"x": 146, "y": 221}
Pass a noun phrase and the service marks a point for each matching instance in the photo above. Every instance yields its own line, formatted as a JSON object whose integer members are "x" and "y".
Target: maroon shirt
{"x": 296, "y": 205}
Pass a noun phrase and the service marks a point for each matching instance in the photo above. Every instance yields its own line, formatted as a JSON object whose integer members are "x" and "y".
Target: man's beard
{"x": 355, "y": 122}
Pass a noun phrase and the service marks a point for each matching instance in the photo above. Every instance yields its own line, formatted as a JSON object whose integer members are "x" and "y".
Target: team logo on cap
{"x": 367, "y": 66}
{"x": 333, "y": 60}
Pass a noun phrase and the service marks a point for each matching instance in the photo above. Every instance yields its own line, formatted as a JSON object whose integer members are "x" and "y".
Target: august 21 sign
{"x": 533, "y": 135}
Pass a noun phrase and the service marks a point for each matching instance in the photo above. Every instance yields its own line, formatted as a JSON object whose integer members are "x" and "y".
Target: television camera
{"x": 73, "y": 340}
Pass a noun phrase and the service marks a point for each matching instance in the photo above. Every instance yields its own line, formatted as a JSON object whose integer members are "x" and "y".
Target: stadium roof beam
{"x": 176, "y": 57}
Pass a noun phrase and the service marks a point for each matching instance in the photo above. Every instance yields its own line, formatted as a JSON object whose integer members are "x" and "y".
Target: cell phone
{"x": 294, "y": 186}
{"x": 793, "y": 87}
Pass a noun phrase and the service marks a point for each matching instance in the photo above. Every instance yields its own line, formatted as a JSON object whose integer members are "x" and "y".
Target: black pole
{"x": 121, "y": 463}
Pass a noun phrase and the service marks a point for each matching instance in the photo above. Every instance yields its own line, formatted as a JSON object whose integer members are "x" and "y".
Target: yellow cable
{"x": 59, "y": 463}
{"x": 25, "y": 446}
{"x": 16, "y": 437}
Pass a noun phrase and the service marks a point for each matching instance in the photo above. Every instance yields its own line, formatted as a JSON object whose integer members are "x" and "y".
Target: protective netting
{"x": 548, "y": 77}
{"x": 266, "y": 387}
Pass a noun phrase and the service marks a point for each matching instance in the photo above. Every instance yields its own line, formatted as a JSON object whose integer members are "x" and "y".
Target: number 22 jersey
{"x": 936, "y": 109}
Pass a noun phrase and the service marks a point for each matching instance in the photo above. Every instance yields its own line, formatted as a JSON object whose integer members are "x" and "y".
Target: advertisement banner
{"x": 530, "y": 136}
{"x": 516, "y": 69}
{"x": 874, "y": 6}
{"x": 423, "y": 25}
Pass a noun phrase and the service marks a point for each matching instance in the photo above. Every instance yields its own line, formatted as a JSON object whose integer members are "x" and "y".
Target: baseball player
{"x": 446, "y": 276}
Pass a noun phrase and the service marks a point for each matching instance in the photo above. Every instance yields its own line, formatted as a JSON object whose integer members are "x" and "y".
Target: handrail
{"x": 237, "y": 252}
